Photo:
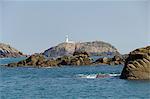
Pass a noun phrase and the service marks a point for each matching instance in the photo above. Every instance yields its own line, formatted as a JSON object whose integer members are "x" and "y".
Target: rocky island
{"x": 70, "y": 53}
{"x": 92, "y": 48}
{"x": 8, "y": 51}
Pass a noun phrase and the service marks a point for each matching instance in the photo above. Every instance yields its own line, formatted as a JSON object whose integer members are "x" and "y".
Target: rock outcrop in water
{"x": 137, "y": 65}
{"x": 8, "y": 51}
{"x": 116, "y": 60}
{"x": 78, "y": 59}
{"x": 38, "y": 60}
{"x": 93, "y": 48}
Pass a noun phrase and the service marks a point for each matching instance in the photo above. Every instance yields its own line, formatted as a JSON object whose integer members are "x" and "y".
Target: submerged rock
{"x": 8, "y": 51}
{"x": 137, "y": 65}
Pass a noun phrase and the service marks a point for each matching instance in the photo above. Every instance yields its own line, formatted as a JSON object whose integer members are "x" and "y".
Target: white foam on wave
{"x": 47, "y": 67}
{"x": 92, "y": 76}
{"x": 114, "y": 75}
{"x": 87, "y": 76}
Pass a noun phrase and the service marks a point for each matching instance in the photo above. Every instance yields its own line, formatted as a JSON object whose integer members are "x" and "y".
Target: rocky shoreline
{"x": 136, "y": 63}
{"x": 77, "y": 59}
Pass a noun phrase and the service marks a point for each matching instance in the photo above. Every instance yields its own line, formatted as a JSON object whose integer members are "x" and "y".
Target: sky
{"x": 33, "y": 26}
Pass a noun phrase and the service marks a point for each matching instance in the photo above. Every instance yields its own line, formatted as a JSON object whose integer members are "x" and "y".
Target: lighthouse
{"x": 67, "y": 39}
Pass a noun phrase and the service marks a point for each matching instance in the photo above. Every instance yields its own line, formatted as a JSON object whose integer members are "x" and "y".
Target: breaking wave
{"x": 99, "y": 75}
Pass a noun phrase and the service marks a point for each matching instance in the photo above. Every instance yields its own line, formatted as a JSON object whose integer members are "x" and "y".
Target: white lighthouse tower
{"x": 67, "y": 39}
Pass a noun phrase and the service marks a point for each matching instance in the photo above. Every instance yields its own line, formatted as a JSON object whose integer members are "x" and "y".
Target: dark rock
{"x": 125, "y": 56}
{"x": 37, "y": 60}
{"x": 81, "y": 58}
{"x": 65, "y": 60}
{"x": 78, "y": 58}
{"x": 116, "y": 60}
{"x": 137, "y": 65}
{"x": 81, "y": 53}
{"x": 80, "y": 61}
{"x": 104, "y": 60}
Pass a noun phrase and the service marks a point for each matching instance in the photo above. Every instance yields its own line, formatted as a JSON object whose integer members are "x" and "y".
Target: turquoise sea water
{"x": 68, "y": 82}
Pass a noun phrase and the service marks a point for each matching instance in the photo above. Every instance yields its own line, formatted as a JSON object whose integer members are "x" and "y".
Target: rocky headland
{"x": 8, "y": 51}
{"x": 137, "y": 65}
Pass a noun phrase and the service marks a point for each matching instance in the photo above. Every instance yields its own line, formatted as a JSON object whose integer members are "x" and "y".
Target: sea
{"x": 68, "y": 82}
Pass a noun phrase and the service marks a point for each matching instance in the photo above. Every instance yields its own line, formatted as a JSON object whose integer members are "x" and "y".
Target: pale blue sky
{"x": 35, "y": 25}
